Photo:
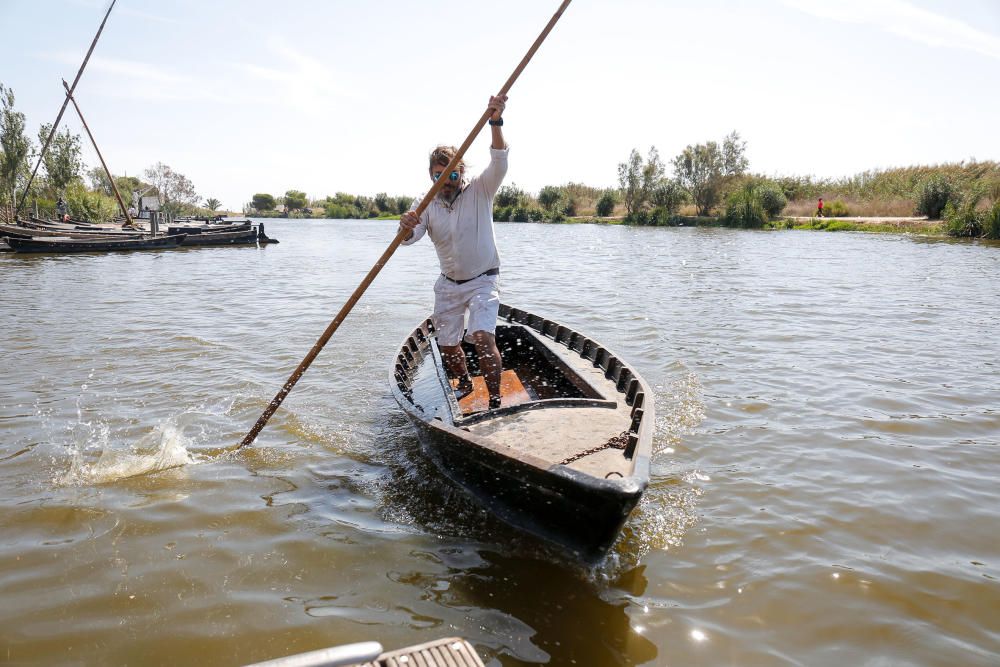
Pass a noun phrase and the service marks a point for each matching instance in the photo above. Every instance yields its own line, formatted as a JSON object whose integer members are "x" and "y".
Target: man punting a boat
{"x": 460, "y": 223}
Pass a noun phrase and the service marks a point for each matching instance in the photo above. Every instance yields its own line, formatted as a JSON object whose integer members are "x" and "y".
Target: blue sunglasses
{"x": 453, "y": 176}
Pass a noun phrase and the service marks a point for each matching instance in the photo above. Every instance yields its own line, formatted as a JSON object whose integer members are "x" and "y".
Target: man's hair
{"x": 442, "y": 155}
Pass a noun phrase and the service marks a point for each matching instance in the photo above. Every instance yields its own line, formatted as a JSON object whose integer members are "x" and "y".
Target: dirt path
{"x": 895, "y": 221}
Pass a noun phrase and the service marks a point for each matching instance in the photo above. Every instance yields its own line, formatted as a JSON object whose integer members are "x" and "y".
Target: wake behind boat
{"x": 565, "y": 457}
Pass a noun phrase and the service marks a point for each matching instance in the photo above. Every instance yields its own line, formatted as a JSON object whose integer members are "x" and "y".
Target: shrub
{"x": 569, "y": 209}
{"x": 963, "y": 220}
{"x": 772, "y": 199}
{"x": 993, "y": 190}
{"x": 991, "y": 221}
{"x": 519, "y": 214}
{"x": 837, "y": 209}
{"x": 509, "y": 196}
{"x": 667, "y": 197}
{"x": 606, "y": 204}
{"x": 92, "y": 206}
{"x": 501, "y": 213}
{"x": 549, "y": 197}
{"x": 934, "y": 195}
{"x": 663, "y": 218}
{"x": 637, "y": 218}
{"x": 535, "y": 214}
{"x": 744, "y": 208}
{"x": 336, "y": 211}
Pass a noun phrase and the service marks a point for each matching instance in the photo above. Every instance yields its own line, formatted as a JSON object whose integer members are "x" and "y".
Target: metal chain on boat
{"x": 620, "y": 441}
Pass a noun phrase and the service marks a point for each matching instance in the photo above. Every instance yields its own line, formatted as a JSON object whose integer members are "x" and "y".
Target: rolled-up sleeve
{"x": 492, "y": 176}
{"x": 420, "y": 229}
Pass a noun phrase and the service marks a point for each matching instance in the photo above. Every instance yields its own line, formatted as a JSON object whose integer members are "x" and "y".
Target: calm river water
{"x": 825, "y": 484}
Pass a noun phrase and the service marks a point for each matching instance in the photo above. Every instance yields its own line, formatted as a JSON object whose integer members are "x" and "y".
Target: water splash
{"x": 165, "y": 447}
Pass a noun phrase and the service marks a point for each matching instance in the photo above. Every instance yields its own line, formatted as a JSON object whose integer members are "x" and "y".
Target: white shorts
{"x": 479, "y": 297}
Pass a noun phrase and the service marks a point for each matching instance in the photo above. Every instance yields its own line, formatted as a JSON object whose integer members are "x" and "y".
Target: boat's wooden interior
{"x": 585, "y": 430}
{"x": 565, "y": 400}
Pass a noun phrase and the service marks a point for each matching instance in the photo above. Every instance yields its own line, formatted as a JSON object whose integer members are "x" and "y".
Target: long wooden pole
{"x": 402, "y": 234}
{"x": 55, "y": 125}
{"x": 114, "y": 186}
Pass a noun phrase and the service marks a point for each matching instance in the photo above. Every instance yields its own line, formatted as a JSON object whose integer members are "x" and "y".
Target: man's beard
{"x": 450, "y": 192}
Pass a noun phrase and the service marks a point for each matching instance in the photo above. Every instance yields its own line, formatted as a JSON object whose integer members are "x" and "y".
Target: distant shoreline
{"x": 870, "y": 224}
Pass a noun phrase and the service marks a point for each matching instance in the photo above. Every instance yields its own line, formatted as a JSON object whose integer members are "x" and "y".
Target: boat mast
{"x": 114, "y": 186}
{"x": 52, "y": 132}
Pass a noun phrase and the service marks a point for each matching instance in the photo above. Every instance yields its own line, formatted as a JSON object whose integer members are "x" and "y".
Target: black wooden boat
{"x": 195, "y": 230}
{"x": 71, "y": 224}
{"x": 239, "y": 237}
{"x": 71, "y": 228}
{"x": 565, "y": 457}
{"x": 65, "y": 244}
{"x": 28, "y": 232}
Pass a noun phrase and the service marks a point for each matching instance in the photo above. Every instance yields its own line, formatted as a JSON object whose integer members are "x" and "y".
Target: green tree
{"x": 263, "y": 202}
{"x": 637, "y": 180}
{"x": 704, "y": 169}
{"x": 630, "y": 182}
{"x": 384, "y": 203}
{"x": 15, "y": 147}
{"x": 403, "y": 204}
{"x": 734, "y": 159}
{"x": 63, "y": 161}
{"x": 126, "y": 184}
{"x": 295, "y": 200}
{"x": 212, "y": 204}
{"x": 176, "y": 191}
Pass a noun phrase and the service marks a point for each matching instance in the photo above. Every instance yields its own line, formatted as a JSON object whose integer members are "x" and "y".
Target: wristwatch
{"x": 498, "y": 122}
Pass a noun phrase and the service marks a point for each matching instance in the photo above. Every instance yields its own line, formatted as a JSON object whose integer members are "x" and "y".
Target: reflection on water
{"x": 553, "y": 609}
{"x": 825, "y": 455}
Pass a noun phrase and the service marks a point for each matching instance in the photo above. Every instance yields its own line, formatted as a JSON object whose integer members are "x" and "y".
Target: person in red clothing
{"x": 819, "y": 208}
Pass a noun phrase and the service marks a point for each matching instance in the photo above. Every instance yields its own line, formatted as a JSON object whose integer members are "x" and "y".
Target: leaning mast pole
{"x": 52, "y": 132}
{"x": 114, "y": 186}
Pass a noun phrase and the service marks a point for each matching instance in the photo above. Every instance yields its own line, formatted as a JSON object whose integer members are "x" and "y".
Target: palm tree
{"x": 212, "y": 204}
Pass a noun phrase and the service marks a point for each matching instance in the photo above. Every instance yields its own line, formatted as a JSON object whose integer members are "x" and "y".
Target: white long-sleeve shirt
{"x": 462, "y": 231}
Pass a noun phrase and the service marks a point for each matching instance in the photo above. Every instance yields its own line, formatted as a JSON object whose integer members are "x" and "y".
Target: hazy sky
{"x": 326, "y": 96}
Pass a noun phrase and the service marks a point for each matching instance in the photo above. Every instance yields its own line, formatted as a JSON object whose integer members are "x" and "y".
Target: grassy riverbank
{"x": 888, "y": 224}
{"x": 893, "y": 224}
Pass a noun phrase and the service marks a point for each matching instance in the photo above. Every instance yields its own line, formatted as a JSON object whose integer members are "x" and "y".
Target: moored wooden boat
{"x": 70, "y": 224}
{"x": 65, "y": 244}
{"x": 239, "y": 237}
{"x": 72, "y": 227}
{"x": 193, "y": 230}
{"x": 28, "y": 232}
{"x": 565, "y": 457}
